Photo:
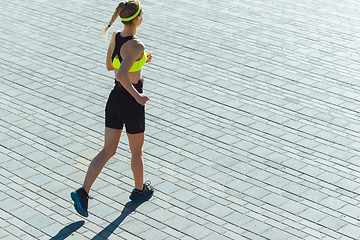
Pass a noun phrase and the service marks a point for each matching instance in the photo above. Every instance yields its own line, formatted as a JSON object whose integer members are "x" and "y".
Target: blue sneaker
{"x": 145, "y": 194}
{"x": 81, "y": 198}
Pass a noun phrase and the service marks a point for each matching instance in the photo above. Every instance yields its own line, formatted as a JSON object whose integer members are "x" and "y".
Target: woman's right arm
{"x": 122, "y": 73}
{"x": 109, "y": 65}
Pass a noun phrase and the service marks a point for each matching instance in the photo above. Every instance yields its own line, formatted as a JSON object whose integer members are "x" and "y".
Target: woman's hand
{"x": 148, "y": 57}
{"x": 142, "y": 99}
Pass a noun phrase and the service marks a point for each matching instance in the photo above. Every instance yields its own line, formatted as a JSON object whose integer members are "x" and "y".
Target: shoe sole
{"x": 77, "y": 204}
{"x": 141, "y": 198}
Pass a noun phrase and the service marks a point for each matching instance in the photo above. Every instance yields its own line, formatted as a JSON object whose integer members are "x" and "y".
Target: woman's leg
{"x": 136, "y": 142}
{"x": 112, "y": 137}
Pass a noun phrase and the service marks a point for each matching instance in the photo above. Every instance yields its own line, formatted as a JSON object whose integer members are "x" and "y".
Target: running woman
{"x": 125, "y": 106}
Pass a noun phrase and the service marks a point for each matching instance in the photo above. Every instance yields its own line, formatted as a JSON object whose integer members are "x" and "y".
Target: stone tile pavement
{"x": 252, "y": 128}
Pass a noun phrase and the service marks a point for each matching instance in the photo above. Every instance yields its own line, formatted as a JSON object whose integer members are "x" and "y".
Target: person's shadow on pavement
{"x": 128, "y": 209}
{"x": 106, "y": 232}
{"x": 68, "y": 230}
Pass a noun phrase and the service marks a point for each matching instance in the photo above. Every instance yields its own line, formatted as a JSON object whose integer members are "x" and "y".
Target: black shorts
{"x": 122, "y": 108}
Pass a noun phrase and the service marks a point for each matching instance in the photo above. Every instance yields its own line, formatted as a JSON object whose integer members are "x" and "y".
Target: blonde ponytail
{"x": 119, "y": 8}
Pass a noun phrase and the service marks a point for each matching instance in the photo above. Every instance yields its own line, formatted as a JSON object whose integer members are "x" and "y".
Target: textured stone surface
{"x": 252, "y": 127}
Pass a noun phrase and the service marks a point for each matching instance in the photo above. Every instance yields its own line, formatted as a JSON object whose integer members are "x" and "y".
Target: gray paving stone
{"x": 178, "y": 223}
{"x": 155, "y": 234}
{"x": 332, "y": 223}
{"x": 135, "y": 227}
{"x": 161, "y": 214}
{"x": 350, "y": 231}
{"x": 15, "y": 232}
{"x": 215, "y": 236}
{"x": 197, "y": 231}
{"x": 40, "y": 221}
{"x": 293, "y": 207}
{"x": 4, "y": 234}
{"x": 275, "y": 233}
{"x": 256, "y": 192}
{"x": 333, "y": 203}
{"x": 237, "y": 219}
{"x": 184, "y": 195}
{"x": 39, "y": 179}
{"x": 277, "y": 181}
{"x": 10, "y": 204}
{"x": 314, "y": 195}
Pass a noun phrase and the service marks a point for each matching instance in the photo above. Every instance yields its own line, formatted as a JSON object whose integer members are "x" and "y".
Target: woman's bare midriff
{"x": 134, "y": 76}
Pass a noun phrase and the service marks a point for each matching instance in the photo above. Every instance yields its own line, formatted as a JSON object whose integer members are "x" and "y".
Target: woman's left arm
{"x": 109, "y": 65}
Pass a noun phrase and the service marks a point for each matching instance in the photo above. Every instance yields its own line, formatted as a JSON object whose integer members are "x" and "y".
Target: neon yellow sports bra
{"x": 137, "y": 66}
{"x": 119, "y": 41}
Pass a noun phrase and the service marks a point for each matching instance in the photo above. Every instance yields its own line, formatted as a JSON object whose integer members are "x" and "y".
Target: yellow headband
{"x": 133, "y": 16}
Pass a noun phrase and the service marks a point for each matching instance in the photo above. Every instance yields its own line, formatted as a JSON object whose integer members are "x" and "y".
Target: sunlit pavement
{"x": 252, "y": 127}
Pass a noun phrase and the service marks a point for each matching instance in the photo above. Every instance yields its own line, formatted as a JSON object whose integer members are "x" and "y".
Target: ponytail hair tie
{"x": 109, "y": 26}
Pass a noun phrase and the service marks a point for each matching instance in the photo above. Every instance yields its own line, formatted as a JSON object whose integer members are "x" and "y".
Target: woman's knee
{"x": 138, "y": 154}
{"x": 109, "y": 150}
